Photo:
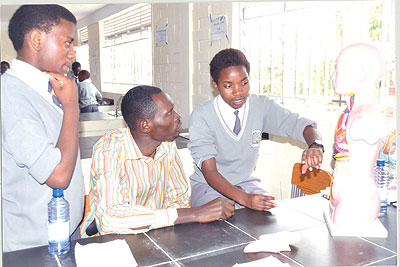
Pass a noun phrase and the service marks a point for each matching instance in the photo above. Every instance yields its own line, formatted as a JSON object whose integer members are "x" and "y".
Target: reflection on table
{"x": 221, "y": 243}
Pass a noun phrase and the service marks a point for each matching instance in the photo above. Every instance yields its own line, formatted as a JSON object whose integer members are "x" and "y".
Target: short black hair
{"x": 138, "y": 104}
{"x": 76, "y": 65}
{"x": 41, "y": 17}
{"x": 227, "y": 58}
{"x": 84, "y": 73}
{"x": 5, "y": 63}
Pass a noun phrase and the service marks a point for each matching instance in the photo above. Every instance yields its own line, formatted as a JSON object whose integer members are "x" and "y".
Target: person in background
{"x": 89, "y": 96}
{"x": 40, "y": 118}
{"x": 225, "y": 135}
{"x": 74, "y": 72}
{"x": 137, "y": 181}
{"x": 4, "y": 66}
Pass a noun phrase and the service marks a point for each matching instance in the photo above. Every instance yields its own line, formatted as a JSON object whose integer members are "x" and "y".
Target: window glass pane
{"x": 82, "y": 56}
{"x": 126, "y": 55}
{"x": 292, "y": 46}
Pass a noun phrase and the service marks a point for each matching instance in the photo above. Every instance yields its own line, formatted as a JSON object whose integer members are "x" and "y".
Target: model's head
{"x": 4, "y": 66}
{"x": 230, "y": 72}
{"x": 148, "y": 109}
{"x": 227, "y": 58}
{"x": 83, "y": 75}
{"x": 76, "y": 68}
{"x": 40, "y": 17}
{"x": 358, "y": 67}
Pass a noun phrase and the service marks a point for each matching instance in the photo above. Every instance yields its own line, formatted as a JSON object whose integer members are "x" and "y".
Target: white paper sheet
{"x": 273, "y": 242}
{"x": 113, "y": 253}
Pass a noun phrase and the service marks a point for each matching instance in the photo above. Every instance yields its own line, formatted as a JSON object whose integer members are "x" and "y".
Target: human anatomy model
{"x": 355, "y": 198}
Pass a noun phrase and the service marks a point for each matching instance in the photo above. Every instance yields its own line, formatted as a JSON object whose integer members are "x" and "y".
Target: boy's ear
{"x": 145, "y": 125}
{"x": 215, "y": 85}
{"x": 35, "y": 39}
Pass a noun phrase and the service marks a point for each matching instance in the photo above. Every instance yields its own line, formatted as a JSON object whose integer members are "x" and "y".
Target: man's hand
{"x": 64, "y": 88}
{"x": 311, "y": 158}
{"x": 217, "y": 209}
{"x": 259, "y": 202}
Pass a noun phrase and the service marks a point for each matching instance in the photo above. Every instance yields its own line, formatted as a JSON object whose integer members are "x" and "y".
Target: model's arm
{"x": 66, "y": 92}
{"x": 313, "y": 156}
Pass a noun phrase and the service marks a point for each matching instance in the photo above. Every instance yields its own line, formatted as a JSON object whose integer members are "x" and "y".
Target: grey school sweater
{"x": 236, "y": 155}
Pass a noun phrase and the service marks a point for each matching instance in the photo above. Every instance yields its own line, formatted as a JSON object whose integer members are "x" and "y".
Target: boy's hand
{"x": 217, "y": 209}
{"x": 64, "y": 88}
{"x": 259, "y": 202}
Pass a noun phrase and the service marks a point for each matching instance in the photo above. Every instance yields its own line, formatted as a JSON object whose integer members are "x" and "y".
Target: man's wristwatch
{"x": 317, "y": 143}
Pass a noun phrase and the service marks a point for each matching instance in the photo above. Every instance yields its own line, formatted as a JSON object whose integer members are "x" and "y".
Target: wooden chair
{"x": 310, "y": 182}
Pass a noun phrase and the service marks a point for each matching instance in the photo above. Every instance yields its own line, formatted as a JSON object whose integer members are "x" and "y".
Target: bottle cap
{"x": 380, "y": 162}
{"x": 57, "y": 192}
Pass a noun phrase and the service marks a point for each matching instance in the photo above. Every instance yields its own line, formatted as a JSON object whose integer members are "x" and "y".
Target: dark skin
{"x": 54, "y": 53}
{"x": 165, "y": 126}
{"x": 233, "y": 86}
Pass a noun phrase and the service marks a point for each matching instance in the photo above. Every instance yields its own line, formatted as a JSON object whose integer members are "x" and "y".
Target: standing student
{"x": 39, "y": 125}
{"x": 225, "y": 135}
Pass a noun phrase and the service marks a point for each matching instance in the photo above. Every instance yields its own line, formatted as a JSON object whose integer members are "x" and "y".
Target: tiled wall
{"x": 181, "y": 68}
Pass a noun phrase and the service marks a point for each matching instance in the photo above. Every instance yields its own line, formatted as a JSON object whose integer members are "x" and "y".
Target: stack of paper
{"x": 113, "y": 253}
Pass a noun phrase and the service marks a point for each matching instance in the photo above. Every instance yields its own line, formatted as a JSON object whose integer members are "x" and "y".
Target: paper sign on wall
{"x": 218, "y": 28}
{"x": 161, "y": 35}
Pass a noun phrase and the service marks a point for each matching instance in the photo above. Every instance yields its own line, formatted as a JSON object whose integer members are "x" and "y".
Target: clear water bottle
{"x": 382, "y": 182}
{"x": 58, "y": 224}
{"x": 392, "y": 190}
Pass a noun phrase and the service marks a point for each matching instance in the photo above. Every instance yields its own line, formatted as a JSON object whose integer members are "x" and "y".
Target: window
{"x": 82, "y": 51}
{"x": 127, "y": 50}
{"x": 292, "y": 46}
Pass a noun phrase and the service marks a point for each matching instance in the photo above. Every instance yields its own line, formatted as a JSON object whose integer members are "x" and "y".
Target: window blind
{"x": 83, "y": 35}
{"x": 128, "y": 21}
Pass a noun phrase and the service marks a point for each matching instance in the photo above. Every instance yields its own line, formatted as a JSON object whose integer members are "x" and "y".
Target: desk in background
{"x": 221, "y": 243}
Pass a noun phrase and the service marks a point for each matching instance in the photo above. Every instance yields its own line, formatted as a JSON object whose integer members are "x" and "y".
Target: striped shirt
{"x": 129, "y": 190}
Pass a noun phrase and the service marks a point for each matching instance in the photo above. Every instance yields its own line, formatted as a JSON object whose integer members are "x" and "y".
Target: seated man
{"x": 137, "y": 180}
{"x": 89, "y": 96}
{"x": 225, "y": 135}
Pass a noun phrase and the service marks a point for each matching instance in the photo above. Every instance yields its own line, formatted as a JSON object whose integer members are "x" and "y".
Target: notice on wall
{"x": 161, "y": 35}
{"x": 218, "y": 28}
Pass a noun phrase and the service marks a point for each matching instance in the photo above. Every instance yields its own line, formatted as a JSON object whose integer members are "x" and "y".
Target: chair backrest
{"x": 310, "y": 182}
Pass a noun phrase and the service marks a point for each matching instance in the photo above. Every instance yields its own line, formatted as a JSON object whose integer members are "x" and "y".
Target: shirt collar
{"x": 36, "y": 79}
{"x": 226, "y": 109}
{"x": 133, "y": 151}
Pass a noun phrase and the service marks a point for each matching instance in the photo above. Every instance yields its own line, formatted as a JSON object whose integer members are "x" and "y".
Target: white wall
{"x": 7, "y": 49}
{"x": 172, "y": 62}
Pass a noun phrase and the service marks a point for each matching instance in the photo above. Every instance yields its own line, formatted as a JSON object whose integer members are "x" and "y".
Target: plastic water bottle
{"x": 382, "y": 182}
{"x": 58, "y": 224}
{"x": 392, "y": 190}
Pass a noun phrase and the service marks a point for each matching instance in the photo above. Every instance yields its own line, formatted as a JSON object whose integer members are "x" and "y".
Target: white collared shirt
{"x": 228, "y": 114}
{"x": 36, "y": 79}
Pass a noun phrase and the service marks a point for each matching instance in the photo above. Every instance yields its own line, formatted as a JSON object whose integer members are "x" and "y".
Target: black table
{"x": 221, "y": 243}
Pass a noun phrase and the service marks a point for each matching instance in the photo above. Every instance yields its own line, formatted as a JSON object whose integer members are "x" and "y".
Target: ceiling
{"x": 79, "y": 10}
